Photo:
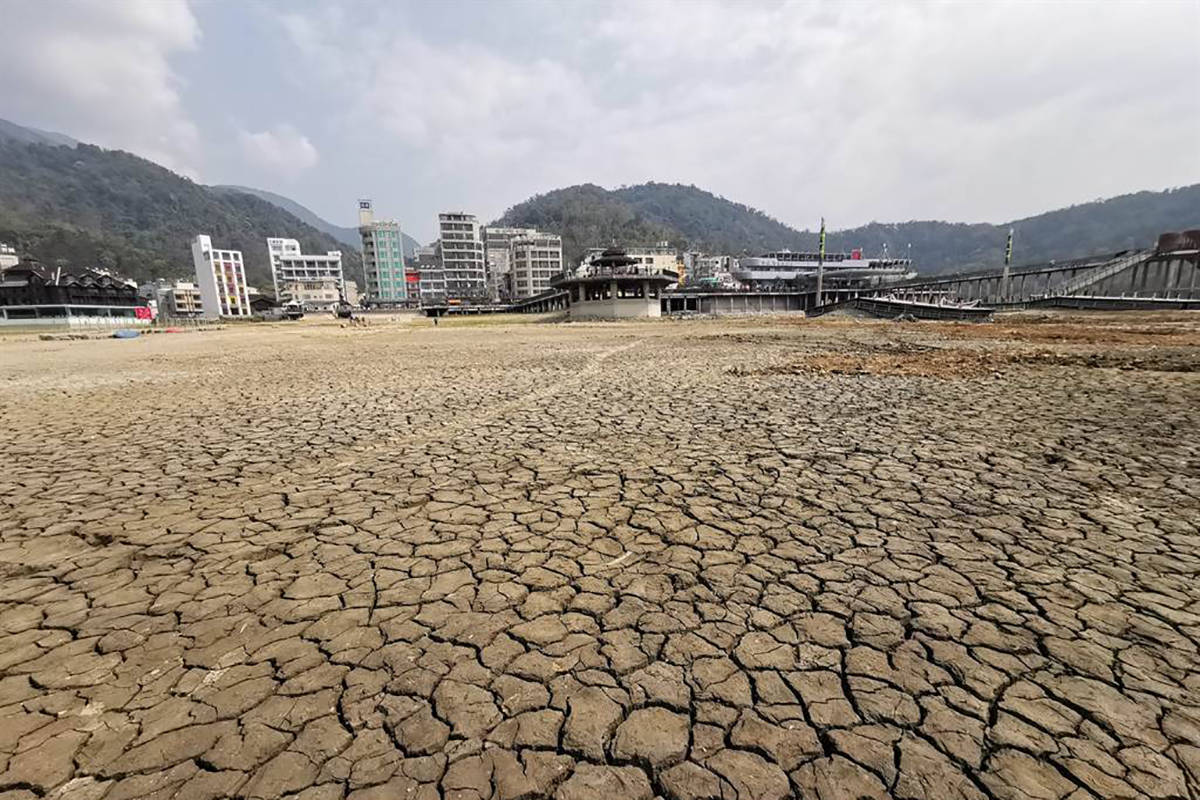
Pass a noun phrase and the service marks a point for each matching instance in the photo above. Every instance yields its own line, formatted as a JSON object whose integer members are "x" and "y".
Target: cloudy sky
{"x": 861, "y": 111}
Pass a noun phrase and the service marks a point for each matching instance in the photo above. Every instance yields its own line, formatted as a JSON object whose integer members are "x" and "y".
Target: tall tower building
{"x": 222, "y": 280}
{"x": 387, "y": 281}
{"x": 463, "y": 257}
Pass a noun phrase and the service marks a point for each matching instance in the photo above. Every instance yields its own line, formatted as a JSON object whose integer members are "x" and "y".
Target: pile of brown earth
{"x": 954, "y": 363}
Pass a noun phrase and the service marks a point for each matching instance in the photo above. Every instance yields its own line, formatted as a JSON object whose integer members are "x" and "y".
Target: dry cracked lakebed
{"x": 750, "y": 559}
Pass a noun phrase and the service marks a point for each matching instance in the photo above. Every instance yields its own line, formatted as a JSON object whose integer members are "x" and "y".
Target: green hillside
{"x": 93, "y": 207}
{"x": 589, "y": 215}
{"x": 96, "y": 207}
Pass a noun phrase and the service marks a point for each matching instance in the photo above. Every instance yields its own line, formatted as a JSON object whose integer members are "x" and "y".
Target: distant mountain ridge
{"x": 347, "y": 236}
{"x": 61, "y": 199}
{"x": 94, "y": 207}
{"x": 688, "y": 217}
{"x": 11, "y": 131}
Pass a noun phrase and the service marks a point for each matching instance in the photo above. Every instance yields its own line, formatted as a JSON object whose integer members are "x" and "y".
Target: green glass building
{"x": 387, "y": 283}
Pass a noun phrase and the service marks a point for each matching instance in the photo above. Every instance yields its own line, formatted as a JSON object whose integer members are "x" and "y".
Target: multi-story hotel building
{"x": 498, "y": 246}
{"x": 463, "y": 257}
{"x": 222, "y": 279}
{"x": 387, "y": 280}
{"x": 314, "y": 281}
{"x": 536, "y": 259}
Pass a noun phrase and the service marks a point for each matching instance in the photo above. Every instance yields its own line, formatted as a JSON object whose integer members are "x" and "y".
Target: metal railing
{"x": 631, "y": 271}
{"x": 1104, "y": 271}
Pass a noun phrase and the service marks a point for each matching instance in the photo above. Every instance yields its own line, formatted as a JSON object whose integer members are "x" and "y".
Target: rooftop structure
{"x": 613, "y": 285}
{"x": 314, "y": 281}
{"x": 660, "y": 257}
{"x": 221, "y": 276}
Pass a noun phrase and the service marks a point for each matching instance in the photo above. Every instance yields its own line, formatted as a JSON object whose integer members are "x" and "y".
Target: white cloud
{"x": 856, "y": 111}
{"x": 859, "y": 111}
{"x": 281, "y": 149}
{"x": 101, "y": 71}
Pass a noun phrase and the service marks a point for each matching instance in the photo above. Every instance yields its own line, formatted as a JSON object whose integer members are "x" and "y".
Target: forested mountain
{"x": 588, "y": 216}
{"x": 96, "y": 207}
{"x": 60, "y": 199}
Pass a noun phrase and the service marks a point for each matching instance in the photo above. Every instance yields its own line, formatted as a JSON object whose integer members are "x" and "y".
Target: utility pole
{"x": 821, "y": 263}
{"x": 1007, "y": 263}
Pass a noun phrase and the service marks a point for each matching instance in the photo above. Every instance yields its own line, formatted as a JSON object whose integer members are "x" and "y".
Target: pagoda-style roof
{"x": 632, "y": 274}
{"x": 615, "y": 265}
{"x": 613, "y": 257}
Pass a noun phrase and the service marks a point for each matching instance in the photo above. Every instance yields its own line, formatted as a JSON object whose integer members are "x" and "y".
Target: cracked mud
{"x": 677, "y": 560}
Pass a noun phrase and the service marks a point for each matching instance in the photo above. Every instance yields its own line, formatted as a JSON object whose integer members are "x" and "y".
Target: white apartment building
{"x": 387, "y": 281}
{"x": 315, "y": 281}
{"x": 536, "y": 260}
{"x": 8, "y": 256}
{"x": 463, "y": 257}
{"x": 222, "y": 280}
{"x": 498, "y": 245}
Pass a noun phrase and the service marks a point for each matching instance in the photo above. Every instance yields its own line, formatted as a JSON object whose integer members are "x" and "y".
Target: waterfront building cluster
{"x": 482, "y": 267}
{"x": 469, "y": 263}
